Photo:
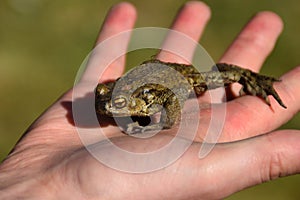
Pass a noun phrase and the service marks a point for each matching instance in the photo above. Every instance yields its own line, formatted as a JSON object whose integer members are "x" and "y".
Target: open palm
{"x": 51, "y": 162}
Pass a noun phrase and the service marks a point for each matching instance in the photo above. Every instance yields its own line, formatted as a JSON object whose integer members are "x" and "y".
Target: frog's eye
{"x": 146, "y": 91}
{"x": 119, "y": 102}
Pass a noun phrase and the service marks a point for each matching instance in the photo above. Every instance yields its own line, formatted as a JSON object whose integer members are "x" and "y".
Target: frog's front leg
{"x": 170, "y": 112}
{"x": 253, "y": 83}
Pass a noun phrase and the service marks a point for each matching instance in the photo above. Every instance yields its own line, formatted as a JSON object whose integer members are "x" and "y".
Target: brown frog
{"x": 156, "y": 86}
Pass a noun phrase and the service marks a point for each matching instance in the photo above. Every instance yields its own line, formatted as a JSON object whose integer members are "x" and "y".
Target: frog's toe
{"x": 262, "y": 86}
{"x": 264, "y": 95}
{"x": 242, "y": 92}
{"x": 268, "y": 89}
{"x": 135, "y": 128}
{"x": 271, "y": 91}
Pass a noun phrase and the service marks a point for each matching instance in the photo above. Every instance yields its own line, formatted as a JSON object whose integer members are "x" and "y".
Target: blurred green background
{"x": 43, "y": 42}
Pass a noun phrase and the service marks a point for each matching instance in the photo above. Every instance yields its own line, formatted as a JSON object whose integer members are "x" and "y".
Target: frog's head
{"x": 121, "y": 103}
{"x": 117, "y": 104}
{"x": 121, "y": 106}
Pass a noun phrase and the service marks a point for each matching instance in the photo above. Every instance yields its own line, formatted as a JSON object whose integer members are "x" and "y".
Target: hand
{"x": 50, "y": 161}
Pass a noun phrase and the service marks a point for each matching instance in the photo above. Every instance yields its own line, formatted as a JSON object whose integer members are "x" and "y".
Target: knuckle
{"x": 276, "y": 166}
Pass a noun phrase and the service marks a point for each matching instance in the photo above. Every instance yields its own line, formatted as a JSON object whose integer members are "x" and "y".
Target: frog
{"x": 154, "y": 87}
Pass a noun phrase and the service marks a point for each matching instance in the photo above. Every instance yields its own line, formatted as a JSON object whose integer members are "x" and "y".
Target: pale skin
{"x": 51, "y": 162}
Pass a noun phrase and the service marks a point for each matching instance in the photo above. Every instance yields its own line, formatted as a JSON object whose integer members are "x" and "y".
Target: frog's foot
{"x": 135, "y": 128}
{"x": 259, "y": 85}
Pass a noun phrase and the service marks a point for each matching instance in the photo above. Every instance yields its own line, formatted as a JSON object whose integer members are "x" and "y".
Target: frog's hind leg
{"x": 253, "y": 83}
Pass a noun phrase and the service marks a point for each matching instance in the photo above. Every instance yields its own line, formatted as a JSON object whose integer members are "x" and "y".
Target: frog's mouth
{"x": 125, "y": 114}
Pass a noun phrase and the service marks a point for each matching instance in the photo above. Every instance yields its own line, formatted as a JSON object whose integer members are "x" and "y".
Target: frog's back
{"x": 170, "y": 75}
{"x": 183, "y": 69}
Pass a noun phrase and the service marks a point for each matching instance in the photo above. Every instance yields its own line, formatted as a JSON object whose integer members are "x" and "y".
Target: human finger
{"x": 111, "y": 44}
{"x": 250, "y": 48}
{"x": 257, "y": 117}
{"x": 190, "y": 22}
{"x": 255, "y": 42}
